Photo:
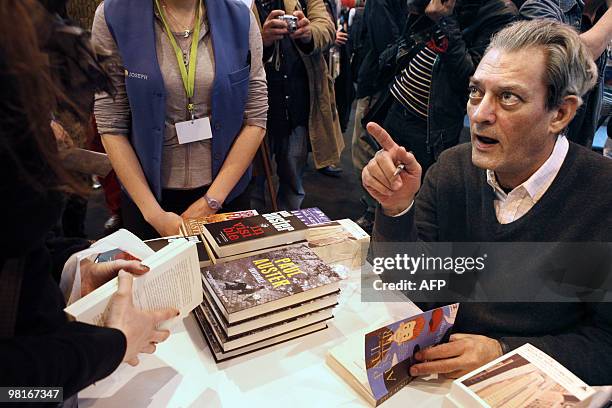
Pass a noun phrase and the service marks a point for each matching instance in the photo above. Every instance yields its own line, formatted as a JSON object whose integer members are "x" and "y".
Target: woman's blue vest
{"x": 132, "y": 25}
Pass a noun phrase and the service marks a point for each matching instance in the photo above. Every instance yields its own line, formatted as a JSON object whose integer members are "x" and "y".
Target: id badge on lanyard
{"x": 195, "y": 129}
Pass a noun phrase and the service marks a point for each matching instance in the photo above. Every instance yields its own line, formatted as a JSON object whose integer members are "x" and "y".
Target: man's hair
{"x": 570, "y": 69}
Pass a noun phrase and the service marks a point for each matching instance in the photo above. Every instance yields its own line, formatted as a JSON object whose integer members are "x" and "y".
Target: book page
{"x": 174, "y": 280}
{"x": 349, "y": 355}
{"x": 524, "y": 377}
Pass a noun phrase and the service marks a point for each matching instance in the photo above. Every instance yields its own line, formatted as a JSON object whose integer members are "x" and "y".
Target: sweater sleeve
{"x": 585, "y": 350}
{"x": 256, "y": 109}
{"x": 113, "y": 116}
{"x": 74, "y": 356}
{"x": 323, "y": 30}
{"x": 406, "y": 228}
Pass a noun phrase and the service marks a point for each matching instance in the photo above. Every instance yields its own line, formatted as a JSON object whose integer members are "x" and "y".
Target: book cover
{"x": 525, "y": 377}
{"x": 248, "y": 234}
{"x": 219, "y": 355}
{"x": 195, "y": 226}
{"x": 389, "y": 351}
{"x": 311, "y": 216}
{"x": 263, "y": 283}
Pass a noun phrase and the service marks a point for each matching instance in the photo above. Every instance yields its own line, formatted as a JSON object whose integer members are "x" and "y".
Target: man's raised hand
{"x": 394, "y": 193}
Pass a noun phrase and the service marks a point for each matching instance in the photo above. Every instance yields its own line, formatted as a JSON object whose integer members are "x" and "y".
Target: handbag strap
{"x": 10, "y": 289}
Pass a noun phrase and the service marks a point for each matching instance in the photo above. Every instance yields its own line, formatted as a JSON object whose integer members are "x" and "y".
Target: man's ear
{"x": 565, "y": 113}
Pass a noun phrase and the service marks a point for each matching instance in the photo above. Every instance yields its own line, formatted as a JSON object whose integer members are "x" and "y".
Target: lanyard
{"x": 187, "y": 76}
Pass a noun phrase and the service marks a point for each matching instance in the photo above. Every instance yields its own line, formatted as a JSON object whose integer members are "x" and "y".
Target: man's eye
{"x": 474, "y": 93}
{"x": 508, "y": 98}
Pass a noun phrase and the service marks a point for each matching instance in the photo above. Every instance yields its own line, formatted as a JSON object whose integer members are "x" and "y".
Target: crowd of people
{"x": 197, "y": 104}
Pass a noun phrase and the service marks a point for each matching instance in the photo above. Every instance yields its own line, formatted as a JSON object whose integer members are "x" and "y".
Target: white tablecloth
{"x": 182, "y": 373}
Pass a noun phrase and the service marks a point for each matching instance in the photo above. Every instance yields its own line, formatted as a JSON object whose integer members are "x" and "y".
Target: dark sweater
{"x": 46, "y": 349}
{"x": 455, "y": 204}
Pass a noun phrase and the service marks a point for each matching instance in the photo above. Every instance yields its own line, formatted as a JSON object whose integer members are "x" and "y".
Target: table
{"x": 183, "y": 373}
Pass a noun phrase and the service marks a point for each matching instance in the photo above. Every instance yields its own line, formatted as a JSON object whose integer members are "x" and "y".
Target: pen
{"x": 399, "y": 169}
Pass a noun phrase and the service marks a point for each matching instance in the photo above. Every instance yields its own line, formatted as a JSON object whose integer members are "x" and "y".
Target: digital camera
{"x": 291, "y": 22}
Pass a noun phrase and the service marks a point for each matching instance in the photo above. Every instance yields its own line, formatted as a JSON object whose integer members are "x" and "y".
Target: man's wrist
{"x": 503, "y": 347}
{"x": 397, "y": 211}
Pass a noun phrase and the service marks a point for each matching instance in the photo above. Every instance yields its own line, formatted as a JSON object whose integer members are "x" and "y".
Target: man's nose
{"x": 484, "y": 111}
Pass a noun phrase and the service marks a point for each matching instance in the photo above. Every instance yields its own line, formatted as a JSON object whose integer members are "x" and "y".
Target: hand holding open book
{"x": 139, "y": 327}
{"x": 140, "y": 306}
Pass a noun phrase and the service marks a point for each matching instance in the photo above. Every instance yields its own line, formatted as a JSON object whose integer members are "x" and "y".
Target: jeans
{"x": 409, "y": 131}
{"x": 290, "y": 153}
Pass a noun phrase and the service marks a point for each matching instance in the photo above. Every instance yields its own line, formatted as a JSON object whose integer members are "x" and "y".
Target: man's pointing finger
{"x": 381, "y": 136}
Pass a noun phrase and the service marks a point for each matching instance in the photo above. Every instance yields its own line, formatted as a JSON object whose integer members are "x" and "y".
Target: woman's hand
{"x": 166, "y": 223}
{"x": 139, "y": 327}
{"x": 198, "y": 209}
{"x": 94, "y": 275}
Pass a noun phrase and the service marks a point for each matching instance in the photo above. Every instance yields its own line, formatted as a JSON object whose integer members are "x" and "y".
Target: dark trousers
{"x": 176, "y": 201}
{"x": 410, "y": 131}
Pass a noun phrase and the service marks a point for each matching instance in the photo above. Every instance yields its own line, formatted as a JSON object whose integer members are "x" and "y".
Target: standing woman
{"x": 190, "y": 110}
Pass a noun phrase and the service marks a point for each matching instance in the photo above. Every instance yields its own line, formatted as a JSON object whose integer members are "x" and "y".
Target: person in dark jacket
{"x": 382, "y": 23}
{"x": 520, "y": 180}
{"x": 38, "y": 346}
{"x": 593, "y": 19}
{"x": 444, "y": 41}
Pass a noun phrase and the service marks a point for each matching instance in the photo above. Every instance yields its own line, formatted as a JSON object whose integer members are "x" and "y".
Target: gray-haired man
{"x": 520, "y": 180}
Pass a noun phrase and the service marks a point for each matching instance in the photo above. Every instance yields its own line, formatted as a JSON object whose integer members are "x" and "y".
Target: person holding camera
{"x": 442, "y": 43}
{"x": 302, "y": 108}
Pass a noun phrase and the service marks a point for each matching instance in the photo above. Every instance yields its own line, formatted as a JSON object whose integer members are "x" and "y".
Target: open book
{"x": 525, "y": 377}
{"x": 172, "y": 281}
{"x": 384, "y": 368}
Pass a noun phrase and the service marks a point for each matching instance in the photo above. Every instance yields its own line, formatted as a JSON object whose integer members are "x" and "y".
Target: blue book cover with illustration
{"x": 389, "y": 351}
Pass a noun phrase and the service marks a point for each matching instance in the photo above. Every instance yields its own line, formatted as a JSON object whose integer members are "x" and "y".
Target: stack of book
{"x": 270, "y": 279}
{"x": 261, "y": 300}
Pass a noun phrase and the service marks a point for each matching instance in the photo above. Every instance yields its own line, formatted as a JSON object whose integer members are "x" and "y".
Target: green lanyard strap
{"x": 188, "y": 77}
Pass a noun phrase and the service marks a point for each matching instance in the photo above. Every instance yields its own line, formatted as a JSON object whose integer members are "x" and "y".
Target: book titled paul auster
{"x": 266, "y": 282}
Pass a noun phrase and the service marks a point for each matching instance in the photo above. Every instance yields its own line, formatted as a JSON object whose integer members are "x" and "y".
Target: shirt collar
{"x": 538, "y": 183}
